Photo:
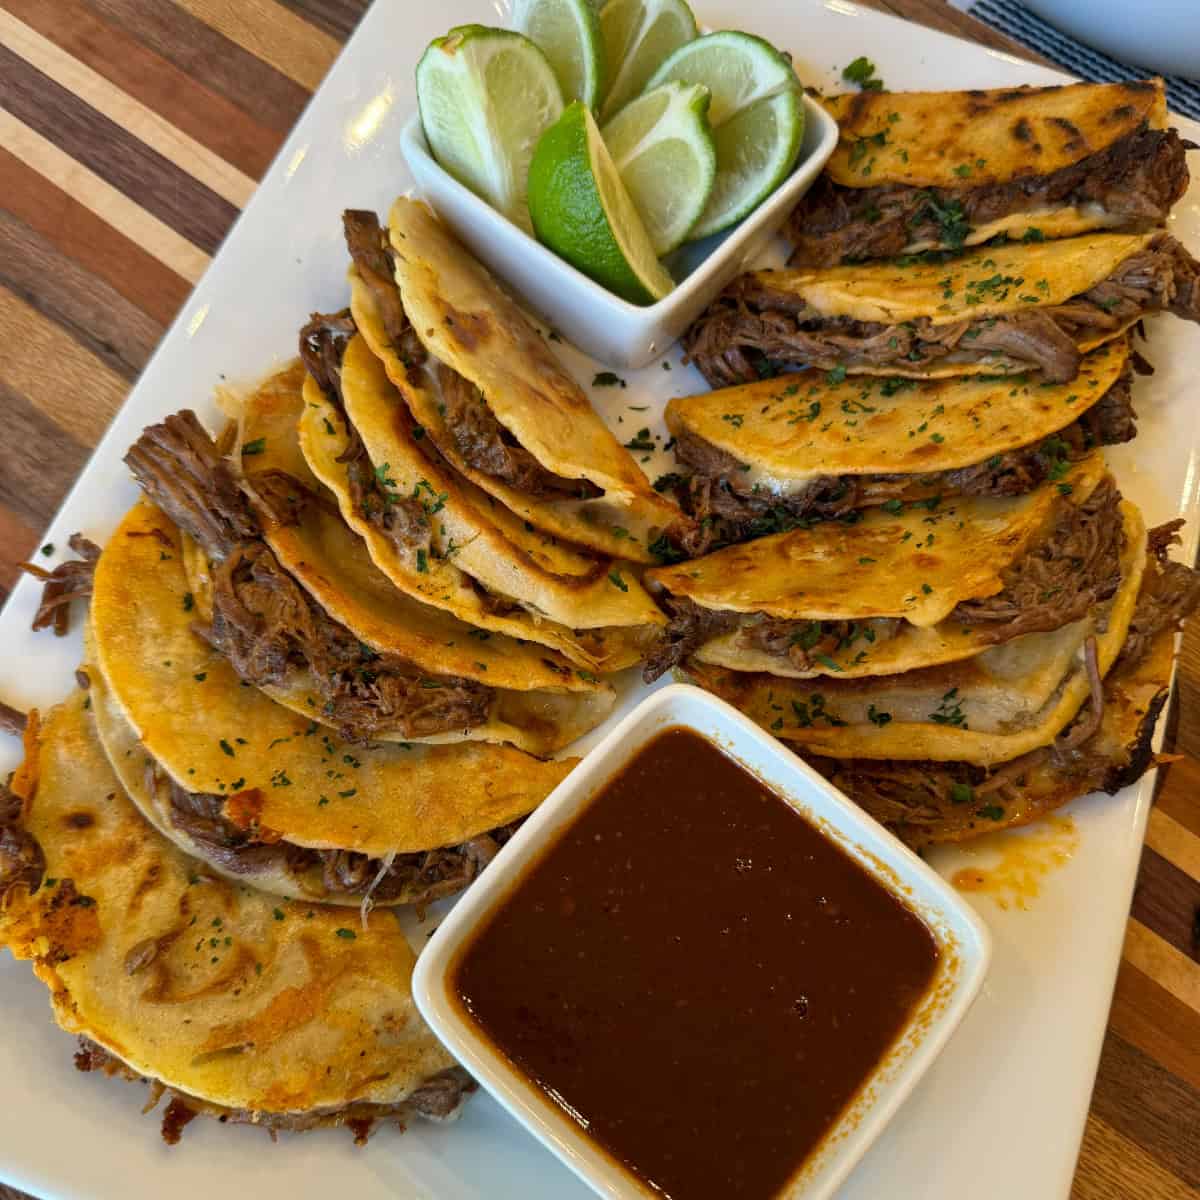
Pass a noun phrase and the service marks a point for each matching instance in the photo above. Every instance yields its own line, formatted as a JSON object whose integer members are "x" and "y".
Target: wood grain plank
{"x": 1154, "y": 1109}
{"x": 68, "y": 384}
{"x": 202, "y": 113}
{"x": 273, "y": 34}
{"x": 1176, "y": 843}
{"x": 1166, "y": 900}
{"x": 1111, "y": 1167}
{"x": 1146, "y": 1015}
{"x": 338, "y": 18}
{"x": 95, "y": 245}
{"x": 92, "y": 312}
{"x": 38, "y": 463}
{"x": 210, "y": 58}
{"x": 1179, "y": 796}
{"x": 126, "y": 111}
{"x": 18, "y": 539}
{"x": 116, "y": 156}
{"x": 111, "y": 205}
{"x": 1164, "y": 963}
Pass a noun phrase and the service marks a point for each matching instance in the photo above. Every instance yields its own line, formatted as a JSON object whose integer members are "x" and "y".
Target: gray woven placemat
{"x": 1012, "y": 18}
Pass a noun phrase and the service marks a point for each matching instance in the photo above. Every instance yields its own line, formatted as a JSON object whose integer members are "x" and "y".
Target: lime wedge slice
{"x": 757, "y": 117}
{"x": 568, "y": 34}
{"x": 663, "y": 149}
{"x": 638, "y": 35}
{"x": 486, "y": 96}
{"x": 581, "y": 210}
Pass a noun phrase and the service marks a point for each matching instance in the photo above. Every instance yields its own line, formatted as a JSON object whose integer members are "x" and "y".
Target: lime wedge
{"x": 663, "y": 149}
{"x": 581, "y": 210}
{"x": 568, "y": 34}
{"x": 757, "y": 117}
{"x": 486, "y": 96}
{"x": 638, "y": 35}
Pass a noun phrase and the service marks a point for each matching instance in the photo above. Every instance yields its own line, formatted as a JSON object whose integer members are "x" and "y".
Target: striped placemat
{"x": 1014, "y": 19}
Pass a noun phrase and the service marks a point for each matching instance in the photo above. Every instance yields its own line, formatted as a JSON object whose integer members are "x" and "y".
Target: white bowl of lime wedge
{"x": 609, "y": 328}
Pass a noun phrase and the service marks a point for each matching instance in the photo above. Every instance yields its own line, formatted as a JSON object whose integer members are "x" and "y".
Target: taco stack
{"x": 961, "y": 642}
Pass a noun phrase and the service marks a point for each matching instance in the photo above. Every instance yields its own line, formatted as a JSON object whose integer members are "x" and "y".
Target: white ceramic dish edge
{"x": 587, "y": 314}
{"x": 962, "y": 937}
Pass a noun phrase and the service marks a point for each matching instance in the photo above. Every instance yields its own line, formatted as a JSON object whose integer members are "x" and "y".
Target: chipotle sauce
{"x": 696, "y": 975}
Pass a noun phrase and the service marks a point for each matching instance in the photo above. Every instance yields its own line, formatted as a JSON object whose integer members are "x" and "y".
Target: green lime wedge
{"x": 486, "y": 96}
{"x": 757, "y": 117}
{"x": 638, "y": 35}
{"x": 581, "y": 210}
{"x": 663, "y": 149}
{"x": 568, "y": 33}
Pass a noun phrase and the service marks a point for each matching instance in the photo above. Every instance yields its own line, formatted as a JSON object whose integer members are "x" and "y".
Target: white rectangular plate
{"x": 999, "y": 1116}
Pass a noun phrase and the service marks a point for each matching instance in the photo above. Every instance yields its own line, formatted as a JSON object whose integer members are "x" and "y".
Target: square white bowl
{"x": 609, "y": 328}
{"x": 962, "y": 938}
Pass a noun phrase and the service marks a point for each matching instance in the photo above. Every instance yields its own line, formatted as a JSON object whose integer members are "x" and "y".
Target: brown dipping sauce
{"x": 696, "y": 976}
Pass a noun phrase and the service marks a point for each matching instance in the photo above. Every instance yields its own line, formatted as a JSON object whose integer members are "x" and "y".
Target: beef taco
{"x": 491, "y": 396}
{"x": 237, "y": 1004}
{"x": 436, "y": 535}
{"x": 906, "y": 586}
{"x": 997, "y": 310}
{"x": 264, "y": 791}
{"x": 764, "y": 457}
{"x": 917, "y": 171}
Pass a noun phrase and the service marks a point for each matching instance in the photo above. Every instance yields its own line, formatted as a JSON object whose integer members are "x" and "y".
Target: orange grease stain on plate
{"x": 1022, "y": 861}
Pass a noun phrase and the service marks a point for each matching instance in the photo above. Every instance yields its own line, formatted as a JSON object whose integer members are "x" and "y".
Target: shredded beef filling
{"x": 420, "y": 877}
{"x": 181, "y": 470}
{"x": 266, "y": 625}
{"x": 436, "y": 1099}
{"x": 919, "y": 797}
{"x": 263, "y": 622}
{"x": 373, "y": 492}
{"x": 1169, "y": 593}
{"x": 753, "y": 329}
{"x": 1060, "y": 579}
{"x": 480, "y": 439}
{"x": 728, "y": 510}
{"x": 489, "y": 448}
{"x": 69, "y": 581}
{"x": 689, "y": 628}
{"x": 1137, "y": 179}
{"x": 371, "y": 251}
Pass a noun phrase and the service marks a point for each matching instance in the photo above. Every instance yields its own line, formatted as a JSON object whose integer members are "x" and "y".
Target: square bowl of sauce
{"x": 698, "y": 970}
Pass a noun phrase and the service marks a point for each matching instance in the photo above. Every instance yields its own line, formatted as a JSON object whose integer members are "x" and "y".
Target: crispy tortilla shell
{"x": 793, "y": 429}
{"x": 233, "y": 996}
{"x": 979, "y": 137}
{"x": 918, "y": 563}
{"x": 212, "y": 733}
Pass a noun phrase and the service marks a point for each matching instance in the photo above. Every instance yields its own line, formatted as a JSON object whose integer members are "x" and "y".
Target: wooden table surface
{"x": 131, "y": 132}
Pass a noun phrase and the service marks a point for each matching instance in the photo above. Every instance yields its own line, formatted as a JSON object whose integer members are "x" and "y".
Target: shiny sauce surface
{"x": 697, "y": 976}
